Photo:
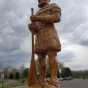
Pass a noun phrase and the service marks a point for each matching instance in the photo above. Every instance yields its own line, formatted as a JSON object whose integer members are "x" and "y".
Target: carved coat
{"x": 46, "y": 35}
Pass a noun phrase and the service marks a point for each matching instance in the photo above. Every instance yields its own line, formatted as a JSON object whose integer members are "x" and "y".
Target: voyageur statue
{"x": 46, "y": 39}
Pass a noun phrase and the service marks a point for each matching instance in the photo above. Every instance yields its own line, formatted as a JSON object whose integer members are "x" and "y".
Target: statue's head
{"x": 41, "y": 3}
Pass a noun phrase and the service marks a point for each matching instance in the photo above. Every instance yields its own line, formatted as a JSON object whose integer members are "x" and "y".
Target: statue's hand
{"x": 33, "y": 18}
{"x": 34, "y": 27}
{"x": 31, "y": 27}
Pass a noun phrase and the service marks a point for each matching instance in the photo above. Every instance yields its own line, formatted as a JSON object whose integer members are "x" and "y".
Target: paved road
{"x": 74, "y": 84}
{"x": 70, "y": 84}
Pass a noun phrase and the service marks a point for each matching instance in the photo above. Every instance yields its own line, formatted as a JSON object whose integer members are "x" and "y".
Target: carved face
{"x": 43, "y": 2}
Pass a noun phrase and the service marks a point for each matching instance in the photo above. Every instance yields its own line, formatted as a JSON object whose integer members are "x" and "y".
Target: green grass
{"x": 5, "y": 84}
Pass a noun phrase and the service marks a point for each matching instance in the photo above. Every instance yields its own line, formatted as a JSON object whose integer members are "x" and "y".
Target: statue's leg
{"x": 53, "y": 67}
{"x": 42, "y": 68}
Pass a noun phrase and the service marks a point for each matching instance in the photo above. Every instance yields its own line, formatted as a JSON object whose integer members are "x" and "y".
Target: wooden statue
{"x": 46, "y": 43}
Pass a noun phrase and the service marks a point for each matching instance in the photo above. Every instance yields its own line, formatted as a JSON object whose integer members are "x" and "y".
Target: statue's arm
{"x": 53, "y": 16}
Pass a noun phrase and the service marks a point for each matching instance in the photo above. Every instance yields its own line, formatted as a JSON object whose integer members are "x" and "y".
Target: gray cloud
{"x": 74, "y": 21}
{"x": 13, "y": 30}
{"x": 15, "y": 38}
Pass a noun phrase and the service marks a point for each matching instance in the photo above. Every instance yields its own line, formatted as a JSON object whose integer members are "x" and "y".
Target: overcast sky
{"x": 15, "y": 39}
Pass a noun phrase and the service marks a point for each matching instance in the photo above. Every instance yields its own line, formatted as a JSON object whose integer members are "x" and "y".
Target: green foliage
{"x": 80, "y": 74}
{"x": 25, "y": 73}
{"x": 17, "y": 75}
{"x": 11, "y": 76}
{"x": 66, "y": 72}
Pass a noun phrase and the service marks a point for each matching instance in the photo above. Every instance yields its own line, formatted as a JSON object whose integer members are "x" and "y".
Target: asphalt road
{"x": 69, "y": 84}
{"x": 74, "y": 84}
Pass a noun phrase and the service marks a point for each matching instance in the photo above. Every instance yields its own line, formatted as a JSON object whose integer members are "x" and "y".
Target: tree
{"x": 11, "y": 76}
{"x": 17, "y": 75}
{"x": 66, "y": 72}
{"x": 60, "y": 68}
{"x": 80, "y": 74}
{"x": 25, "y": 72}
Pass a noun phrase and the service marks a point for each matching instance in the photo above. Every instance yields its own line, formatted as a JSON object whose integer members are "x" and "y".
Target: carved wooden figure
{"x": 46, "y": 42}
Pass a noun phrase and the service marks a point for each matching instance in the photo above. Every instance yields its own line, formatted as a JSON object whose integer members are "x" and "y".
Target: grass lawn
{"x": 11, "y": 83}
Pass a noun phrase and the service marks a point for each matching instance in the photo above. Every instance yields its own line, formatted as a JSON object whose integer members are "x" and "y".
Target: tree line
{"x": 63, "y": 72}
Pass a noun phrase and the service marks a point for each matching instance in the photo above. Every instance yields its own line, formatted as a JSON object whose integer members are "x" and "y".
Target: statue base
{"x": 43, "y": 86}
